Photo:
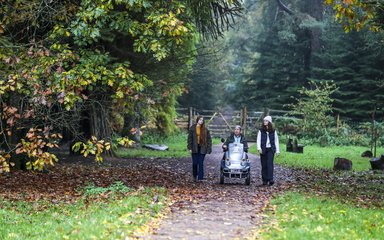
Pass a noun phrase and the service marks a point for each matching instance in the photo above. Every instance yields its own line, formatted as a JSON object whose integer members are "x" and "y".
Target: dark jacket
{"x": 192, "y": 141}
{"x": 231, "y": 139}
{"x": 264, "y": 140}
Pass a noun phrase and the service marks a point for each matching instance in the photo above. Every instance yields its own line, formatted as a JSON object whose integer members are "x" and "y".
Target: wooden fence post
{"x": 190, "y": 117}
{"x": 245, "y": 120}
{"x": 338, "y": 124}
{"x": 266, "y": 112}
{"x": 138, "y": 135}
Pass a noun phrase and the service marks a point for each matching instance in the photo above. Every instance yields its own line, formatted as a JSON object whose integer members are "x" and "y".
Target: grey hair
{"x": 238, "y": 126}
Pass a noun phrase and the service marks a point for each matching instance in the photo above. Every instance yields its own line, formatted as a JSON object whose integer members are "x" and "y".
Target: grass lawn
{"x": 329, "y": 204}
{"x": 177, "y": 148}
{"x": 112, "y": 217}
{"x": 323, "y": 157}
{"x": 302, "y": 216}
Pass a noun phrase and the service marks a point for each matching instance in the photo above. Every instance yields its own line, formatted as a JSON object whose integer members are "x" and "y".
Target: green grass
{"x": 301, "y": 216}
{"x": 115, "y": 218}
{"x": 323, "y": 157}
{"x": 117, "y": 187}
{"x": 177, "y": 147}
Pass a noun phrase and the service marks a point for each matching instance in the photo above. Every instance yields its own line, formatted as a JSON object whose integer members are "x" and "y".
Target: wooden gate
{"x": 222, "y": 122}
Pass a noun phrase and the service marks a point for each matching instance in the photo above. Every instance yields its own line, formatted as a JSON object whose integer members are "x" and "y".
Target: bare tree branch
{"x": 284, "y": 7}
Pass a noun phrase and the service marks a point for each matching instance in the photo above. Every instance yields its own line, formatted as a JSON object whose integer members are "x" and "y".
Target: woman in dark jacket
{"x": 199, "y": 144}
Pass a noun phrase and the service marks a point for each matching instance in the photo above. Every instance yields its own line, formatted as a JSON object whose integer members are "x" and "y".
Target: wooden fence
{"x": 222, "y": 122}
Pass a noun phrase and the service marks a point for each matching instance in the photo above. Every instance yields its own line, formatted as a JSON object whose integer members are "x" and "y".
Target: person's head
{"x": 237, "y": 130}
{"x": 267, "y": 123}
{"x": 200, "y": 120}
{"x": 203, "y": 130}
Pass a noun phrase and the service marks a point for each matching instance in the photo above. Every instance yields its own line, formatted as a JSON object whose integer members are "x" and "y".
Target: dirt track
{"x": 199, "y": 210}
{"x": 228, "y": 211}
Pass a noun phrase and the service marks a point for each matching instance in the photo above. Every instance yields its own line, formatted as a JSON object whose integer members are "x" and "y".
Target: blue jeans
{"x": 267, "y": 165}
{"x": 198, "y": 165}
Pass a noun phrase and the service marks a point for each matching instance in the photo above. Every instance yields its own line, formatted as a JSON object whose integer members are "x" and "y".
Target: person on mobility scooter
{"x": 235, "y": 163}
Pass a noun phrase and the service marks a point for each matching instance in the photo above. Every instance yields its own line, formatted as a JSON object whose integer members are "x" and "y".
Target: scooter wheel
{"x": 248, "y": 179}
{"x": 221, "y": 178}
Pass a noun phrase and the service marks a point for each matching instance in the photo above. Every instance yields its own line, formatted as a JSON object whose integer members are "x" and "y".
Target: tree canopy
{"x": 277, "y": 49}
{"x": 85, "y": 69}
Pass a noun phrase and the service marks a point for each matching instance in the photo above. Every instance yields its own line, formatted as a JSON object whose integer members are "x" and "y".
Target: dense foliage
{"x": 314, "y": 106}
{"x": 357, "y": 14}
{"x": 274, "y": 52}
{"x": 85, "y": 69}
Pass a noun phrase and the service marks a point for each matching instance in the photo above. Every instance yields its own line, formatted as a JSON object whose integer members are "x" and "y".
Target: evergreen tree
{"x": 281, "y": 65}
{"x": 354, "y": 62}
{"x": 203, "y": 81}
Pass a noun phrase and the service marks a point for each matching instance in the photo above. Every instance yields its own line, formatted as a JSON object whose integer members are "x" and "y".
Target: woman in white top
{"x": 267, "y": 145}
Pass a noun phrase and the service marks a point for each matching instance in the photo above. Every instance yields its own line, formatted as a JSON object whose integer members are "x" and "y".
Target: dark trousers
{"x": 198, "y": 165}
{"x": 267, "y": 165}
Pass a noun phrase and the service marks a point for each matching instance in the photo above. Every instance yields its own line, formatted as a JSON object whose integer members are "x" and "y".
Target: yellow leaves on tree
{"x": 354, "y": 14}
{"x": 35, "y": 146}
{"x": 92, "y": 147}
{"x": 348, "y": 2}
{"x": 97, "y": 147}
{"x": 125, "y": 142}
{"x": 4, "y": 162}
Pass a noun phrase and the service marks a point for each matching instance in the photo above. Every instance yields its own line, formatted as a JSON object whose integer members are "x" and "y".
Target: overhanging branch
{"x": 284, "y": 7}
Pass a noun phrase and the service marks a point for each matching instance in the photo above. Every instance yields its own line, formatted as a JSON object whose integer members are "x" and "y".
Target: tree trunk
{"x": 377, "y": 163}
{"x": 314, "y": 8}
{"x": 99, "y": 124}
{"x": 13, "y": 140}
{"x": 342, "y": 164}
{"x": 19, "y": 160}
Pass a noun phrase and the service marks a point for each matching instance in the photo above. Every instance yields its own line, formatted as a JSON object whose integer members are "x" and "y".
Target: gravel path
{"x": 199, "y": 210}
{"x": 228, "y": 211}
